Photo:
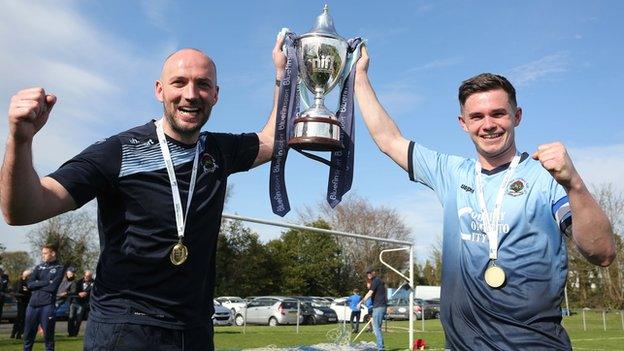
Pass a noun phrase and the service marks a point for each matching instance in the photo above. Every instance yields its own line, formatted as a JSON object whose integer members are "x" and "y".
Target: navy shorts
{"x": 134, "y": 337}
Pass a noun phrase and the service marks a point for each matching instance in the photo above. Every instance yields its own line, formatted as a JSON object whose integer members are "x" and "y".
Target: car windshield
{"x": 289, "y": 305}
{"x": 236, "y": 300}
{"x": 319, "y": 303}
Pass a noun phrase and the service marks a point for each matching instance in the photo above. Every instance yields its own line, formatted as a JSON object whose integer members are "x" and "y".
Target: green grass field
{"x": 232, "y": 338}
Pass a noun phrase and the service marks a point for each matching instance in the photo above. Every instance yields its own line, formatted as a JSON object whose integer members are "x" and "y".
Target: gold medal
{"x": 179, "y": 254}
{"x": 494, "y": 276}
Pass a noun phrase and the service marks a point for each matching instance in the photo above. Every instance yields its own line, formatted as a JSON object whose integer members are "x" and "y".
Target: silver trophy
{"x": 322, "y": 55}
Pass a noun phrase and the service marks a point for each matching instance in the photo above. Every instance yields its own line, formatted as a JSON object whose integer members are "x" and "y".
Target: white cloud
{"x": 439, "y": 63}
{"x": 600, "y": 164}
{"x": 540, "y": 69}
{"x": 156, "y": 11}
{"x": 399, "y": 98}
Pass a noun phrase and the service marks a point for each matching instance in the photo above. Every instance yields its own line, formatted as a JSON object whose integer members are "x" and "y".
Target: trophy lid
{"x": 324, "y": 25}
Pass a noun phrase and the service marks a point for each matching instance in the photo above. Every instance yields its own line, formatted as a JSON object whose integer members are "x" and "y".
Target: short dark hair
{"x": 50, "y": 246}
{"x": 486, "y": 82}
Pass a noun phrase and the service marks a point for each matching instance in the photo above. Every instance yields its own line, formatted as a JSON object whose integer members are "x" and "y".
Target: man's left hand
{"x": 555, "y": 159}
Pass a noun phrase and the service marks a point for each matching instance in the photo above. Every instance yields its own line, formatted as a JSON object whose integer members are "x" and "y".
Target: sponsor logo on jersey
{"x": 467, "y": 188}
{"x": 517, "y": 187}
{"x": 208, "y": 162}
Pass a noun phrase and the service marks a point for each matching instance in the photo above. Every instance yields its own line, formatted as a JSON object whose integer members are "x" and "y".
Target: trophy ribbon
{"x": 287, "y": 106}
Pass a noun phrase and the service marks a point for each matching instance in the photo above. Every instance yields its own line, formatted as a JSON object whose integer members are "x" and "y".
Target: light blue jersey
{"x": 523, "y": 314}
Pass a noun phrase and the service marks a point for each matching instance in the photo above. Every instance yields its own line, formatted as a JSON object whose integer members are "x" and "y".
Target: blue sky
{"x": 101, "y": 59}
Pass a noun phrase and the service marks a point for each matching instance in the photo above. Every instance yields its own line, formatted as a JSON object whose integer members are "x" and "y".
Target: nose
{"x": 488, "y": 124}
{"x": 191, "y": 92}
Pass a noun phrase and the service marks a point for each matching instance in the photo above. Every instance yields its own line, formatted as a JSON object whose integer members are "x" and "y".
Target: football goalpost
{"x": 404, "y": 246}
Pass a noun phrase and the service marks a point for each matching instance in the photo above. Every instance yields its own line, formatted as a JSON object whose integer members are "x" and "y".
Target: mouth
{"x": 188, "y": 110}
{"x": 492, "y": 136}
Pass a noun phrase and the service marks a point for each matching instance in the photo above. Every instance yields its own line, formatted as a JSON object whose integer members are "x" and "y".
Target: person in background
{"x": 43, "y": 282}
{"x": 79, "y": 303}
{"x": 354, "y": 301}
{"x": 22, "y": 296}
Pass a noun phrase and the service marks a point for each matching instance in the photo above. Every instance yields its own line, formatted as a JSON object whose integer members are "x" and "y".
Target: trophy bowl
{"x": 322, "y": 55}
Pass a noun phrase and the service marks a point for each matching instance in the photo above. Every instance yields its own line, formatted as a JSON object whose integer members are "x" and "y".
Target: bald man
{"x": 160, "y": 189}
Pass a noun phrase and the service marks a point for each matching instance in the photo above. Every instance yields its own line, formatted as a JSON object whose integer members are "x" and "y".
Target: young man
{"x": 160, "y": 189}
{"x": 43, "y": 283}
{"x": 377, "y": 294}
{"x": 505, "y": 217}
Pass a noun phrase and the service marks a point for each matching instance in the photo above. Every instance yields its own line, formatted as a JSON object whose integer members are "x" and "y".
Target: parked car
{"x": 271, "y": 310}
{"x": 316, "y": 311}
{"x": 435, "y": 305}
{"x": 222, "y": 315}
{"x": 61, "y": 313}
{"x": 398, "y": 309}
{"x": 343, "y": 311}
{"x": 9, "y": 312}
{"x": 233, "y": 303}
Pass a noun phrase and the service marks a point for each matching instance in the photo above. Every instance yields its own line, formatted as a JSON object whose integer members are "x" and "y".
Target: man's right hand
{"x": 28, "y": 113}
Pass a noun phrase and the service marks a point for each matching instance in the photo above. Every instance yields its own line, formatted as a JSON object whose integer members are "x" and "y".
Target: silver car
{"x": 222, "y": 315}
{"x": 271, "y": 310}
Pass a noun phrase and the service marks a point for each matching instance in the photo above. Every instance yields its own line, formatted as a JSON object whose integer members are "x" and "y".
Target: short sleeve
{"x": 239, "y": 150}
{"x": 431, "y": 168}
{"x": 91, "y": 172}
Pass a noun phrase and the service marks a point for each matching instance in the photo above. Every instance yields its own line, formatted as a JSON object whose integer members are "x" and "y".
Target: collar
{"x": 503, "y": 167}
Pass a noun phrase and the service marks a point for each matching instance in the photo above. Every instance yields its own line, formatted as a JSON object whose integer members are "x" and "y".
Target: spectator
{"x": 79, "y": 305}
{"x": 4, "y": 288}
{"x": 22, "y": 296}
{"x": 67, "y": 288}
{"x": 376, "y": 292}
{"x": 43, "y": 283}
{"x": 354, "y": 301}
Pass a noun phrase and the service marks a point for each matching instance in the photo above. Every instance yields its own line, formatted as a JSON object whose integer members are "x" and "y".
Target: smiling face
{"x": 490, "y": 120}
{"x": 188, "y": 90}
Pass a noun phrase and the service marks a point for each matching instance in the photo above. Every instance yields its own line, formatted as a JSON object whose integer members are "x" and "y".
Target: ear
{"x": 518, "y": 116}
{"x": 216, "y": 96}
{"x": 462, "y": 123}
{"x": 158, "y": 91}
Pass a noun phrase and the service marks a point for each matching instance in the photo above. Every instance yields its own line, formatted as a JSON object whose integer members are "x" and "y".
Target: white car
{"x": 343, "y": 311}
{"x": 234, "y": 303}
{"x": 222, "y": 315}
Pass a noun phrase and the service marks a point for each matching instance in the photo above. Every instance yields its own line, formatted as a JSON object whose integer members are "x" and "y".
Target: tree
{"x": 357, "y": 215}
{"x": 15, "y": 263}
{"x": 74, "y": 234}
{"x": 309, "y": 263}
{"x": 590, "y": 285}
{"x": 243, "y": 264}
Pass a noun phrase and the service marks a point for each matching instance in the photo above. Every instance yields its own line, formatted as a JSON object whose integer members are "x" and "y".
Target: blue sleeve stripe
{"x": 563, "y": 202}
{"x": 410, "y": 161}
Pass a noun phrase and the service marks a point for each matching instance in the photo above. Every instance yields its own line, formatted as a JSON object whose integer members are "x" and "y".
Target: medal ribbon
{"x": 490, "y": 226}
{"x": 177, "y": 203}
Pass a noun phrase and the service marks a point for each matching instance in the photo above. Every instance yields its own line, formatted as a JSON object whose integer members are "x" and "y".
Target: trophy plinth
{"x": 322, "y": 54}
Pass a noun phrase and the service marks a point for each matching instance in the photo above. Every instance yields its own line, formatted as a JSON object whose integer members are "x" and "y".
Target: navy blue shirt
{"x": 136, "y": 282}
{"x": 44, "y": 282}
{"x": 379, "y": 293}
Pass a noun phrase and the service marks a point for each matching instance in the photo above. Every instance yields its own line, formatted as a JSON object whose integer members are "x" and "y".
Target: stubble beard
{"x": 186, "y": 132}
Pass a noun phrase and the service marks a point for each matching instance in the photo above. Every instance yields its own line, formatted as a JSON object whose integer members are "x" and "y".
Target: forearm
{"x": 21, "y": 192}
{"x": 591, "y": 230}
{"x": 380, "y": 125}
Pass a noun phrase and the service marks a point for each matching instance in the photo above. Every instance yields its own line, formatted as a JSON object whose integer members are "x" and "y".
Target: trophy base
{"x": 316, "y": 134}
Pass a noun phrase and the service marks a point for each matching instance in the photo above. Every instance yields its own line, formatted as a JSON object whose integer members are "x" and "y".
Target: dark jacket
{"x": 44, "y": 282}
{"x": 84, "y": 286}
{"x": 22, "y": 294}
{"x": 67, "y": 286}
{"x": 4, "y": 287}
